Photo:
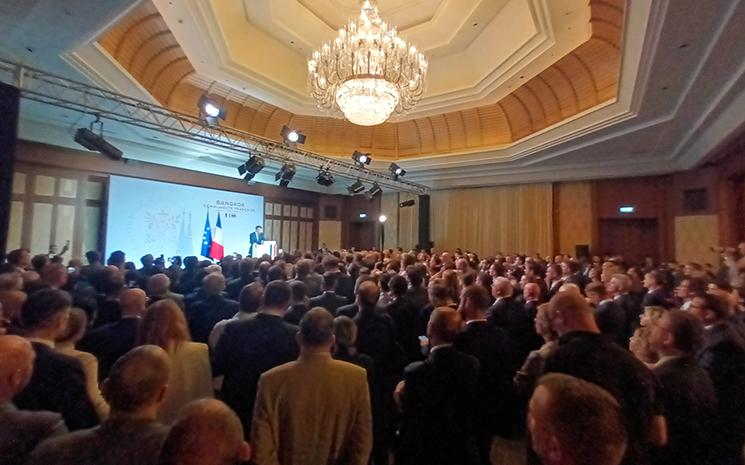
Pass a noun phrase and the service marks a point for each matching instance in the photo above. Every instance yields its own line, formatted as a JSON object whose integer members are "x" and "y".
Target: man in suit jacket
{"x": 111, "y": 341}
{"x": 344, "y": 282}
{"x": 250, "y": 347}
{"x": 438, "y": 398}
{"x": 507, "y": 314}
{"x": 159, "y": 288}
{"x": 687, "y": 393}
{"x": 405, "y": 319}
{"x": 655, "y": 296}
{"x": 532, "y": 298}
{"x": 315, "y": 410}
{"x": 130, "y": 435}
{"x": 329, "y": 300}
{"x": 255, "y": 238}
{"x": 609, "y": 316}
{"x": 22, "y": 430}
{"x": 247, "y": 276}
{"x": 723, "y": 356}
{"x": 58, "y": 382}
{"x": 203, "y": 315}
{"x": 619, "y": 287}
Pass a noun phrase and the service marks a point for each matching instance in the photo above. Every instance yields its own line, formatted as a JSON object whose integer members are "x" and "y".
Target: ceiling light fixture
{"x": 210, "y": 111}
{"x": 292, "y": 136}
{"x": 356, "y": 188}
{"x": 325, "y": 178}
{"x": 407, "y": 203}
{"x": 95, "y": 142}
{"x": 285, "y": 174}
{"x": 396, "y": 171}
{"x": 251, "y": 168}
{"x": 368, "y": 71}
{"x": 361, "y": 159}
{"x": 373, "y": 191}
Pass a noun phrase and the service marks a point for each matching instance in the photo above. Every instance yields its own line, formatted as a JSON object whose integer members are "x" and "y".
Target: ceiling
{"x": 536, "y": 91}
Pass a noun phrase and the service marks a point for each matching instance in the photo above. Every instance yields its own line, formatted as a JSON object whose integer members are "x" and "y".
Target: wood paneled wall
{"x": 574, "y": 222}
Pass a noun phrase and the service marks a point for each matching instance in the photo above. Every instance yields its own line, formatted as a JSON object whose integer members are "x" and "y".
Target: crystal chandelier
{"x": 367, "y": 72}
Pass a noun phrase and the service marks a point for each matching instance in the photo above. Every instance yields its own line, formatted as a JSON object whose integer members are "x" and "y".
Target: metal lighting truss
{"x": 51, "y": 89}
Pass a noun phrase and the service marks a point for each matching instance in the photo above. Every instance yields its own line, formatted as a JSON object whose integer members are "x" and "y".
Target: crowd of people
{"x": 371, "y": 357}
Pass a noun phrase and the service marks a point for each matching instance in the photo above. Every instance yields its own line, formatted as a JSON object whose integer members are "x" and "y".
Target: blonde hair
{"x": 163, "y": 325}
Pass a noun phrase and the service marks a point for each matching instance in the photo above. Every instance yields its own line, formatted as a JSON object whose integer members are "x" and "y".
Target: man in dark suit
{"x": 532, "y": 298}
{"x": 159, "y": 288}
{"x": 609, "y": 316}
{"x": 247, "y": 276}
{"x": 553, "y": 279}
{"x": 619, "y": 287}
{"x": 130, "y": 435}
{"x": 329, "y": 300}
{"x": 655, "y": 285}
{"x": 255, "y": 238}
{"x": 344, "y": 282}
{"x": 111, "y": 341}
{"x": 405, "y": 318}
{"x": 438, "y": 398}
{"x": 687, "y": 393}
{"x": 203, "y": 315}
{"x": 498, "y": 411}
{"x": 22, "y": 430}
{"x": 507, "y": 314}
{"x": 57, "y": 383}
{"x": 299, "y": 303}
{"x": 723, "y": 356}
{"x": 250, "y": 347}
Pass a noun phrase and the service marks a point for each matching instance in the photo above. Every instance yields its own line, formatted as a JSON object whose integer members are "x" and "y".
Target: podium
{"x": 267, "y": 248}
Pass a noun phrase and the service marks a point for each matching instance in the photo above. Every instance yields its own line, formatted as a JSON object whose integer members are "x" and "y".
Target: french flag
{"x": 217, "y": 251}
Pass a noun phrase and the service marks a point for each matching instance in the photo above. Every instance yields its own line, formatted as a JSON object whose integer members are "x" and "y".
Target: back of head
{"x": 686, "y": 329}
{"x": 250, "y": 297}
{"x": 299, "y": 291}
{"x": 345, "y": 332}
{"x": 137, "y": 379}
{"x": 207, "y": 432}
{"x": 329, "y": 280}
{"x": 444, "y": 325}
{"x": 577, "y": 420}
{"x": 596, "y": 288}
{"x": 213, "y": 283}
{"x": 158, "y": 284}
{"x": 475, "y": 300}
{"x": 303, "y": 267}
{"x": 76, "y": 326}
{"x": 277, "y": 294}
{"x": 571, "y": 312}
{"x": 367, "y": 295}
{"x": 163, "y": 325}
{"x": 16, "y": 365}
{"x": 317, "y": 327}
{"x": 133, "y": 302}
{"x": 414, "y": 274}
{"x": 275, "y": 273}
{"x": 398, "y": 285}
{"x": 43, "y": 306}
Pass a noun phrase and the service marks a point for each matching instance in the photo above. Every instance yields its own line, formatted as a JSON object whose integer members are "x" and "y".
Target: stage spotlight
{"x": 382, "y": 218}
{"x": 95, "y": 142}
{"x": 292, "y": 136}
{"x": 251, "y": 168}
{"x": 325, "y": 178}
{"x": 210, "y": 110}
{"x": 407, "y": 203}
{"x": 373, "y": 191}
{"x": 396, "y": 170}
{"x": 285, "y": 174}
{"x": 356, "y": 188}
{"x": 361, "y": 159}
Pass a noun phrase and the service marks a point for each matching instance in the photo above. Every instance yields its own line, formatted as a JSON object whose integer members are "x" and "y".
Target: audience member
{"x": 204, "y": 314}
{"x": 527, "y": 376}
{"x": 329, "y": 300}
{"x": 130, "y": 435}
{"x": 159, "y": 288}
{"x": 313, "y": 281}
{"x": 250, "y": 347}
{"x": 405, "y": 318}
{"x": 111, "y": 341}
{"x": 164, "y": 325}
{"x": 609, "y": 316}
{"x": 21, "y": 430}
{"x": 58, "y": 381}
{"x": 207, "y": 432}
{"x": 654, "y": 283}
{"x": 574, "y": 422}
{"x": 298, "y": 304}
{"x": 249, "y": 301}
{"x": 246, "y": 276}
{"x": 328, "y": 420}
{"x": 438, "y": 398}
{"x": 344, "y": 282}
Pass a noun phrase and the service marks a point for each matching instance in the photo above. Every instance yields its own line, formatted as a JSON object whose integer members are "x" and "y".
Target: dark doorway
{"x": 631, "y": 238}
{"x": 362, "y": 234}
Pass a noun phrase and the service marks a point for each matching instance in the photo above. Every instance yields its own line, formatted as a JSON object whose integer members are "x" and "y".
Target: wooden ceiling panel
{"x": 142, "y": 43}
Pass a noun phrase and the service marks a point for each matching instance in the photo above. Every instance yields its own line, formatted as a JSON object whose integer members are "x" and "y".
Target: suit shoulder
{"x": 350, "y": 369}
{"x": 279, "y": 371}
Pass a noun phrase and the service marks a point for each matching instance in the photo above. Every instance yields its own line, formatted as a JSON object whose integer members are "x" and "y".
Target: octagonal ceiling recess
{"x": 530, "y": 90}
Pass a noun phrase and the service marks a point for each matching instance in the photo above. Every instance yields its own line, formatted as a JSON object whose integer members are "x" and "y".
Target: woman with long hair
{"x": 164, "y": 325}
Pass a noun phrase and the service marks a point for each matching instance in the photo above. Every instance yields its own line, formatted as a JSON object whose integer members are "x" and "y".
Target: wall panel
{"x": 574, "y": 215}
{"x": 694, "y": 238}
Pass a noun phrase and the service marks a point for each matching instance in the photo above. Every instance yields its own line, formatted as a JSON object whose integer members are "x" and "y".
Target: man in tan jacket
{"x": 316, "y": 410}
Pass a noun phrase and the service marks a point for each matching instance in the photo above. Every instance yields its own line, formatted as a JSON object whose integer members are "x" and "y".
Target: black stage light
{"x": 292, "y": 136}
{"x": 95, "y": 142}
{"x": 356, "y": 188}
{"x": 251, "y": 168}
{"x": 373, "y": 191}
{"x": 210, "y": 110}
{"x": 396, "y": 170}
{"x": 361, "y": 159}
{"x": 407, "y": 203}
{"x": 325, "y": 178}
{"x": 285, "y": 174}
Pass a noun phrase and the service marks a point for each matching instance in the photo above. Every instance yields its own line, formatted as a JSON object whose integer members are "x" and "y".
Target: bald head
{"x": 531, "y": 291}
{"x": 444, "y": 325}
{"x": 214, "y": 283}
{"x": 158, "y": 284}
{"x": 133, "y": 302}
{"x": 572, "y": 313}
{"x": 367, "y": 295}
{"x": 138, "y": 380}
{"x": 16, "y": 366}
{"x": 207, "y": 432}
